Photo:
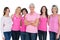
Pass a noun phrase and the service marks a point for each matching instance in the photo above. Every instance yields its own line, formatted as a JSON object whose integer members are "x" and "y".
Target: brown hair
{"x": 46, "y": 13}
{"x": 5, "y": 9}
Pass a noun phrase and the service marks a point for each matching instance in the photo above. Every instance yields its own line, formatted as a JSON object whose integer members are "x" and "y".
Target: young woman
{"x": 6, "y": 24}
{"x": 23, "y": 28}
{"x": 53, "y": 23}
{"x": 16, "y": 18}
{"x": 42, "y": 29}
{"x": 31, "y": 22}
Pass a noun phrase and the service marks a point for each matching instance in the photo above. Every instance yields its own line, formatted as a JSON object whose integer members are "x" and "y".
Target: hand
{"x": 3, "y": 38}
{"x": 57, "y": 36}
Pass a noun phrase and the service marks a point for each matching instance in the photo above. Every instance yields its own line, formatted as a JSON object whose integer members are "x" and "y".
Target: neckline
{"x": 33, "y": 13}
{"x": 43, "y": 17}
{"x": 18, "y": 16}
{"x": 6, "y": 16}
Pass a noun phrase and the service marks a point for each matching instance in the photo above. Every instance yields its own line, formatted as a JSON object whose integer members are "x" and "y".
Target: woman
{"x": 42, "y": 29}
{"x": 16, "y": 18}
{"x": 53, "y": 23}
{"x": 6, "y": 24}
{"x": 31, "y": 22}
{"x": 23, "y": 28}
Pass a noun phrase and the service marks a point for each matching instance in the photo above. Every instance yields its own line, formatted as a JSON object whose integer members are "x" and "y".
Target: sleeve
{"x": 1, "y": 27}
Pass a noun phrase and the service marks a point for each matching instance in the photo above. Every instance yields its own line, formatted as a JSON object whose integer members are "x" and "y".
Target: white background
{"x": 12, "y": 4}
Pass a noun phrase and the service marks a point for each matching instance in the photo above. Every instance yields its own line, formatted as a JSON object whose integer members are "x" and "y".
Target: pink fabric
{"x": 53, "y": 23}
{"x": 32, "y": 18}
{"x": 16, "y": 23}
{"x": 23, "y": 27}
{"x": 43, "y": 24}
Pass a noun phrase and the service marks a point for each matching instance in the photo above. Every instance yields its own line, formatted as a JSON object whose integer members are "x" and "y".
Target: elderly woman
{"x": 31, "y": 22}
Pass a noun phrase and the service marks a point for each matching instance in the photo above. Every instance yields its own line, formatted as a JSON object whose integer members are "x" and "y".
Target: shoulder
{"x": 2, "y": 17}
{"x": 59, "y": 16}
{"x": 27, "y": 15}
{"x": 37, "y": 15}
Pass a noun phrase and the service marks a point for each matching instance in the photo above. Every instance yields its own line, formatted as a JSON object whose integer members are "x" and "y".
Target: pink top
{"x": 43, "y": 23}
{"x": 53, "y": 23}
{"x": 23, "y": 27}
{"x": 32, "y": 18}
{"x": 16, "y": 23}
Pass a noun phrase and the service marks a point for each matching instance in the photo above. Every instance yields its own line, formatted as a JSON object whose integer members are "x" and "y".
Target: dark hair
{"x": 45, "y": 12}
{"x": 23, "y": 10}
{"x": 56, "y": 7}
{"x": 5, "y": 9}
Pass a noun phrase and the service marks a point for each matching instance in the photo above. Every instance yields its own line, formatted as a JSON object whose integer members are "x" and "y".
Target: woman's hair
{"x": 5, "y": 9}
{"x": 55, "y": 7}
{"x": 45, "y": 12}
{"x": 23, "y": 10}
{"x": 17, "y": 8}
{"x": 32, "y": 4}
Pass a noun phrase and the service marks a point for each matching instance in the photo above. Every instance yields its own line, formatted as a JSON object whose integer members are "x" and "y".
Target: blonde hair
{"x": 17, "y": 8}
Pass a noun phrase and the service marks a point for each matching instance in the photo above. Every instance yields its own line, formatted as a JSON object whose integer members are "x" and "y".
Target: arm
{"x": 58, "y": 27}
{"x": 48, "y": 19}
{"x": 59, "y": 24}
{"x": 1, "y": 28}
{"x": 35, "y": 23}
{"x": 26, "y": 22}
{"x": 21, "y": 22}
{"x": 12, "y": 16}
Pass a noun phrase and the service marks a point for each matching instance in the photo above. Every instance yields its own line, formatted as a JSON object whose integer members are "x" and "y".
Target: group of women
{"x": 29, "y": 25}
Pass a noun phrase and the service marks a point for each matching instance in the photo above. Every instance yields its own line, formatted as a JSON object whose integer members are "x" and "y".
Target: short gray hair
{"x": 32, "y": 4}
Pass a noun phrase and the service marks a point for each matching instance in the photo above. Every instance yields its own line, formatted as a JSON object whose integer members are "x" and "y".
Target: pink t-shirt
{"x": 23, "y": 27}
{"x": 43, "y": 23}
{"x": 32, "y": 18}
{"x": 53, "y": 23}
{"x": 16, "y": 23}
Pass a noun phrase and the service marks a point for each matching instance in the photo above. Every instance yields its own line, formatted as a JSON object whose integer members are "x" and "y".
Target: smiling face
{"x": 24, "y": 12}
{"x": 18, "y": 10}
{"x": 54, "y": 10}
{"x": 7, "y": 12}
{"x": 43, "y": 9}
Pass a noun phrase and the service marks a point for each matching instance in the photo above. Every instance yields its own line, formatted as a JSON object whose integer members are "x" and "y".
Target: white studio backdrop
{"x": 12, "y": 4}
